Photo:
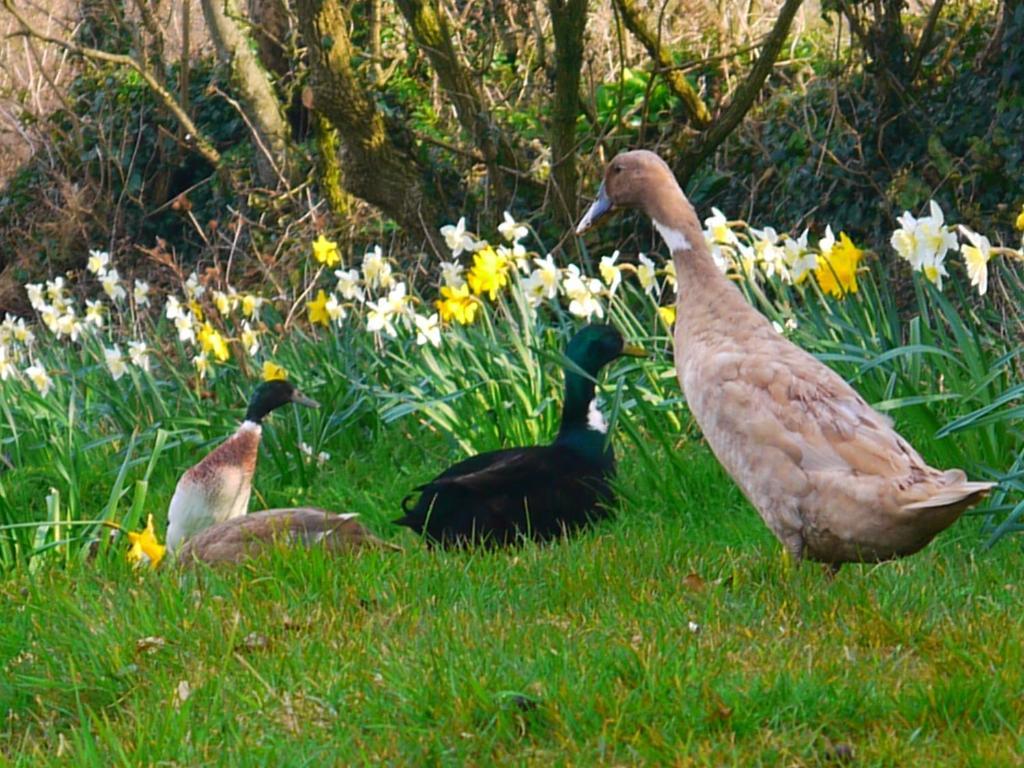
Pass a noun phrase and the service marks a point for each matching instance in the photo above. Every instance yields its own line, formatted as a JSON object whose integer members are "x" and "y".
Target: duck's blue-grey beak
{"x": 300, "y": 399}
{"x": 600, "y": 208}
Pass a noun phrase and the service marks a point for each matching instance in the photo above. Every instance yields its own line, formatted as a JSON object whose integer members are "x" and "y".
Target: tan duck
{"x": 219, "y": 486}
{"x": 828, "y": 474}
{"x": 234, "y": 540}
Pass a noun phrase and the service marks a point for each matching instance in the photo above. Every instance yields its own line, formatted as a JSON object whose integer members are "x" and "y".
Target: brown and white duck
{"x": 218, "y": 487}
{"x": 828, "y": 474}
{"x": 234, "y": 540}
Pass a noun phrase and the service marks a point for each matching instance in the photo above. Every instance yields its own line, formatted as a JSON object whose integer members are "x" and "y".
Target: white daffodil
{"x": 226, "y": 303}
{"x": 457, "y": 239}
{"x": 140, "y": 293}
{"x": 22, "y": 333}
{"x": 977, "y": 255}
{"x": 115, "y": 362}
{"x": 348, "y": 284}
{"x": 334, "y": 309}
{"x": 68, "y": 325}
{"x": 719, "y": 230}
{"x": 55, "y": 291}
{"x": 173, "y": 309}
{"x": 111, "y": 282}
{"x": 250, "y": 338}
{"x": 924, "y": 242}
{"x": 377, "y": 270}
{"x": 98, "y": 262}
{"x": 428, "y": 330}
{"x": 193, "y": 288}
{"x": 39, "y": 378}
{"x": 95, "y": 312}
{"x": 546, "y": 275}
{"x": 582, "y": 293}
{"x": 800, "y": 261}
{"x": 611, "y": 272}
{"x": 7, "y": 368}
{"x": 646, "y": 274}
{"x": 512, "y": 230}
{"x": 383, "y": 313}
{"x": 35, "y": 296}
{"x": 935, "y": 269}
{"x": 670, "y": 275}
{"x": 251, "y": 305}
{"x": 185, "y": 327}
{"x": 769, "y": 253}
{"x": 202, "y": 364}
{"x": 138, "y": 353}
{"x": 452, "y": 274}
{"x": 49, "y": 316}
{"x": 516, "y": 254}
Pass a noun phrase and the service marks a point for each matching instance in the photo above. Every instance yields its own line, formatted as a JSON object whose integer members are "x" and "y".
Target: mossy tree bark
{"x": 633, "y": 16}
{"x": 743, "y": 99}
{"x": 569, "y": 23}
{"x": 262, "y": 106}
{"x": 434, "y": 35}
{"x": 378, "y": 168}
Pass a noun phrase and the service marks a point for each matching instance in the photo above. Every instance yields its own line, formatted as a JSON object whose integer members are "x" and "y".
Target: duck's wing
{"x": 801, "y": 418}
{"x": 496, "y": 469}
{"x": 234, "y": 540}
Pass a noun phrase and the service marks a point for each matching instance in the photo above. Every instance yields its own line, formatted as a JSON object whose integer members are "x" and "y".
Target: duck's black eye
{"x": 616, "y": 169}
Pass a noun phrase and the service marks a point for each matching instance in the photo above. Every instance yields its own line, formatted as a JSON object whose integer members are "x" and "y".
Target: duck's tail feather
{"x": 963, "y": 495}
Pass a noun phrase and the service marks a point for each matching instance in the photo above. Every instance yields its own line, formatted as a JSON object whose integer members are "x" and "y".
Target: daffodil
{"x": 515, "y": 255}
{"x": 646, "y": 274}
{"x": 1020, "y": 219}
{"x": 94, "y": 312}
{"x": 111, "y": 282}
{"x": 489, "y": 273}
{"x": 334, "y": 309}
{"x": 115, "y": 362}
{"x": 836, "y": 272}
{"x": 611, "y": 272}
{"x": 718, "y": 229}
{"x": 977, "y": 256}
{"x": 383, "y": 313}
{"x": 55, "y": 291}
{"x": 39, "y": 378}
{"x": 202, "y": 364}
{"x": 185, "y": 327}
{"x": 140, "y": 293}
{"x": 98, "y": 262}
{"x": 250, "y": 338}
{"x": 771, "y": 256}
{"x": 145, "y": 546}
{"x": 251, "y": 305}
{"x": 225, "y": 302}
{"x": 22, "y": 333}
{"x": 173, "y": 309}
{"x": 457, "y": 304}
{"x": 316, "y": 310}
{"x": 326, "y": 251}
{"x": 800, "y": 261}
{"x": 138, "y": 353}
{"x": 924, "y": 242}
{"x": 193, "y": 288}
{"x": 670, "y": 275}
{"x": 457, "y": 239}
{"x": 452, "y": 274}
{"x": 213, "y": 343}
{"x": 348, "y": 284}
{"x": 428, "y": 330}
{"x": 7, "y": 368}
{"x": 667, "y": 315}
{"x": 273, "y": 372}
{"x": 377, "y": 270}
{"x": 582, "y": 292}
{"x": 511, "y": 230}
{"x": 35, "y": 295}
{"x": 546, "y": 276}
{"x": 68, "y": 325}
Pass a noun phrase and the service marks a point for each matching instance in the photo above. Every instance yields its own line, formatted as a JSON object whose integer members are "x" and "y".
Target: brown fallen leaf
{"x": 694, "y": 582}
{"x": 150, "y": 644}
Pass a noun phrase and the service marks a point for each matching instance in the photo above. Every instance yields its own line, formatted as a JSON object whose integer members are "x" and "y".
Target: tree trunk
{"x": 263, "y": 109}
{"x": 377, "y": 169}
{"x": 569, "y": 22}
{"x": 433, "y": 34}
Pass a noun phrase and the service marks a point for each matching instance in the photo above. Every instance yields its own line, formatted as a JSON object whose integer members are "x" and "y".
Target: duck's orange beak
{"x": 600, "y": 208}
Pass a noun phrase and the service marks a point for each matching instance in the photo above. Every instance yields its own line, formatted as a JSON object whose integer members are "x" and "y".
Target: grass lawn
{"x": 675, "y": 634}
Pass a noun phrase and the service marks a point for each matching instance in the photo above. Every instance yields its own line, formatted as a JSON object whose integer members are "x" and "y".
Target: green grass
{"x": 580, "y": 652}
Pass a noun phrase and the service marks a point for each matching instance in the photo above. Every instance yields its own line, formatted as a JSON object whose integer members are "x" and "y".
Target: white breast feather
{"x": 595, "y": 419}
{"x": 674, "y": 239}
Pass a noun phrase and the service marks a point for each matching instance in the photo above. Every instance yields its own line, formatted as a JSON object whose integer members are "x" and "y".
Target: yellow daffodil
{"x": 489, "y": 273}
{"x": 326, "y": 251}
{"x": 456, "y": 304}
{"x": 145, "y": 547}
{"x": 668, "y": 315}
{"x": 316, "y": 310}
{"x": 197, "y": 309}
{"x": 836, "y": 271}
{"x": 213, "y": 343}
{"x": 273, "y": 372}
{"x": 1020, "y": 219}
